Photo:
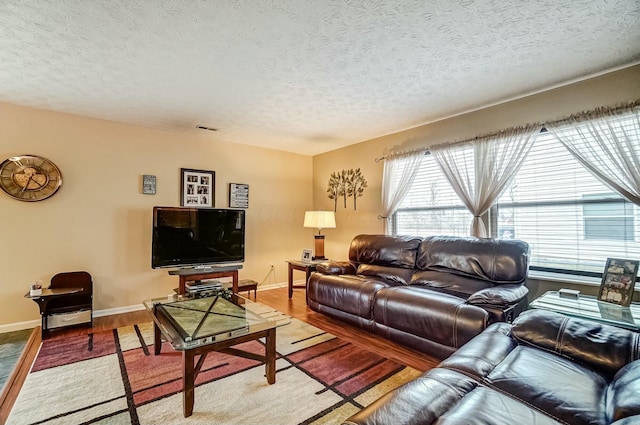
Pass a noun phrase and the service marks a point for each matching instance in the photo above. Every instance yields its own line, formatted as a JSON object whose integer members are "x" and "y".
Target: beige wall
{"x": 610, "y": 89}
{"x": 100, "y": 221}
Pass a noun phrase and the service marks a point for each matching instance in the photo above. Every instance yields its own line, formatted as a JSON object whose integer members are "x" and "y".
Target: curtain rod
{"x": 578, "y": 115}
{"x": 382, "y": 158}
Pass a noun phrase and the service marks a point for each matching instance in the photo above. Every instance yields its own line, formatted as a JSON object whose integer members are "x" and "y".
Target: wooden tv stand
{"x": 196, "y": 275}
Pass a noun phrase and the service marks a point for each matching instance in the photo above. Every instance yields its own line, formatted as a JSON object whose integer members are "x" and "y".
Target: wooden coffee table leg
{"x": 157, "y": 342}
{"x": 270, "y": 354}
{"x": 188, "y": 378}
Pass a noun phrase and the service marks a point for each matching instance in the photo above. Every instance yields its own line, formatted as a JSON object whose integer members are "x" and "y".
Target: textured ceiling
{"x": 301, "y": 75}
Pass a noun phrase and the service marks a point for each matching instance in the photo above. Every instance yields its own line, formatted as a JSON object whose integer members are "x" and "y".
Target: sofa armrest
{"x": 336, "y": 267}
{"x": 499, "y": 295}
{"x": 418, "y": 402}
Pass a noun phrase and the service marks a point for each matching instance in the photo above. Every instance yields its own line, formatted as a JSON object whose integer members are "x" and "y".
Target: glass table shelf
{"x": 192, "y": 322}
{"x": 588, "y": 307}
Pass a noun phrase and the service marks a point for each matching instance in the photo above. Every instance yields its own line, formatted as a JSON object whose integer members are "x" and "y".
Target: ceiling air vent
{"x": 202, "y": 127}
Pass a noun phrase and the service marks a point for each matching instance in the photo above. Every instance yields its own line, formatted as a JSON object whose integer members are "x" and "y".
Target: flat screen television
{"x": 188, "y": 237}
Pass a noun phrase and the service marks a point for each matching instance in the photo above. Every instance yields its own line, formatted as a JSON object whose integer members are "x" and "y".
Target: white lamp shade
{"x": 320, "y": 219}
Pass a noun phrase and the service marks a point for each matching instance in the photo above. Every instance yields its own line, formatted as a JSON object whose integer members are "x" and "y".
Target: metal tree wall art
{"x": 345, "y": 184}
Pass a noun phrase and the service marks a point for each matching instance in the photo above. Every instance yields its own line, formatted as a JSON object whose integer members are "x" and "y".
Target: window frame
{"x": 490, "y": 219}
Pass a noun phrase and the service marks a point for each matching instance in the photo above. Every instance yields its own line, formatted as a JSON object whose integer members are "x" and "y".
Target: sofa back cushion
{"x": 601, "y": 347}
{"x": 383, "y": 250}
{"x": 460, "y": 286}
{"x": 493, "y": 260}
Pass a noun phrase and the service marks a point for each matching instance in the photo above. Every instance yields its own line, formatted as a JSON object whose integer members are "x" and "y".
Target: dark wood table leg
{"x": 270, "y": 356}
{"x": 188, "y": 381}
{"x": 234, "y": 285}
{"x": 182, "y": 283}
{"x": 290, "y": 280}
{"x": 43, "y": 329}
{"x": 157, "y": 341}
{"x": 306, "y": 284}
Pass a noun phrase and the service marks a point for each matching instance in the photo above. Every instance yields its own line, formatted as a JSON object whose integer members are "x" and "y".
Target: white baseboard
{"x": 274, "y": 285}
{"x": 19, "y": 326}
{"x": 96, "y": 313}
{"x": 119, "y": 310}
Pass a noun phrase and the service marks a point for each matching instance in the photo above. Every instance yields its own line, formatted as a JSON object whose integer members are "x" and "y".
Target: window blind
{"x": 572, "y": 221}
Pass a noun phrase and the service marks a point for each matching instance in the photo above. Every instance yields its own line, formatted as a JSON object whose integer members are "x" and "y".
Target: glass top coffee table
{"x": 197, "y": 326}
{"x": 588, "y": 307}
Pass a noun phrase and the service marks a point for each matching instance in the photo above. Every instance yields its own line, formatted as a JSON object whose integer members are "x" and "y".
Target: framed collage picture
{"x": 197, "y": 188}
{"x": 618, "y": 280}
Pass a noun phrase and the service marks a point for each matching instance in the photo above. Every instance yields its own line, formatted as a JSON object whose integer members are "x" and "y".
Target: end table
{"x": 306, "y": 266}
{"x": 589, "y": 307}
{"x": 43, "y": 300}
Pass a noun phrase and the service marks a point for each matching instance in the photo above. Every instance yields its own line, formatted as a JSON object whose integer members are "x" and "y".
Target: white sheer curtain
{"x": 481, "y": 169}
{"x": 397, "y": 176}
{"x": 607, "y": 143}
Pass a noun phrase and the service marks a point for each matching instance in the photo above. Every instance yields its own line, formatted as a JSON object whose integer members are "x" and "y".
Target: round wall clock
{"x": 29, "y": 177}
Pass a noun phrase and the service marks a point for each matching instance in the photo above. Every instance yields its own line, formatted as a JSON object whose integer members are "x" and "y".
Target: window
{"x": 571, "y": 220}
{"x": 607, "y": 217}
{"x": 431, "y": 207}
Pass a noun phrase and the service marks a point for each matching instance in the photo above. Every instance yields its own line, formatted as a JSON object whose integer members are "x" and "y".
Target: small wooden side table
{"x": 43, "y": 301}
{"x": 306, "y": 266}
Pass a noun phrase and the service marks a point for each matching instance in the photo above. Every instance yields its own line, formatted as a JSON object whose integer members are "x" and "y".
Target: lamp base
{"x": 319, "y": 247}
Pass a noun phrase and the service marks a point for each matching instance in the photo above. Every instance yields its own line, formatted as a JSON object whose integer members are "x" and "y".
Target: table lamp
{"x": 319, "y": 220}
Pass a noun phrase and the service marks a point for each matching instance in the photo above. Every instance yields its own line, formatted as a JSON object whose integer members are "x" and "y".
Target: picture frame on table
{"x": 197, "y": 188}
{"x": 306, "y": 256}
{"x": 618, "y": 281}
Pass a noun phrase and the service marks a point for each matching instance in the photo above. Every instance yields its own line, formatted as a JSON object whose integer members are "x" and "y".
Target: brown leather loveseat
{"x": 545, "y": 369}
{"x": 432, "y": 294}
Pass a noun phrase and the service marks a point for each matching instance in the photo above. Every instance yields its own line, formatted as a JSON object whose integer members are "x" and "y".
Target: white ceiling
{"x": 304, "y": 76}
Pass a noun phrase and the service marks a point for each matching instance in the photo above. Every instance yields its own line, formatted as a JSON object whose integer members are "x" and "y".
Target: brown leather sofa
{"x": 545, "y": 369}
{"x": 432, "y": 294}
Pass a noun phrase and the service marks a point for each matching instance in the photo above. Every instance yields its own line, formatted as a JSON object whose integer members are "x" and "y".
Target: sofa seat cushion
{"x": 574, "y": 393}
{"x": 448, "y": 283}
{"x": 441, "y": 318}
{"x": 484, "y": 406}
{"x": 350, "y": 293}
{"x": 394, "y": 276}
{"x": 623, "y": 395}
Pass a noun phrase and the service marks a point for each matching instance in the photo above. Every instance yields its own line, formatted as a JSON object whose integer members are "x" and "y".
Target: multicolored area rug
{"x": 112, "y": 377}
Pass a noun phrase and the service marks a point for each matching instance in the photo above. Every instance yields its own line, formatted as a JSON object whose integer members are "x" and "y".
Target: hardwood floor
{"x": 276, "y": 298}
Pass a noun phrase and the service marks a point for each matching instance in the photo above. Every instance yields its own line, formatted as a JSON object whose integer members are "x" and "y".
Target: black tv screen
{"x": 184, "y": 237}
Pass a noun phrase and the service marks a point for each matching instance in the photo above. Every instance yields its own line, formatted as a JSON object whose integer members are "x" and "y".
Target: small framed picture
{"x": 618, "y": 280}
{"x": 148, "y": 184}
{"x": 197, "y": 188}
{"x": 306, "y": 255}
{"x": 238, "y": 195}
